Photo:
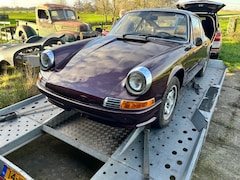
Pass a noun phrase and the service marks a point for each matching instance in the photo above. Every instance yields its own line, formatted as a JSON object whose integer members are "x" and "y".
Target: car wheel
{"x": 214, "y": 56}
{"x": 168, "y": 103}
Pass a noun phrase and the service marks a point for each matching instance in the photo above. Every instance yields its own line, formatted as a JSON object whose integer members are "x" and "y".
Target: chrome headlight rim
{"x": 144, "y": 74}
{"x": 47, "y": 59}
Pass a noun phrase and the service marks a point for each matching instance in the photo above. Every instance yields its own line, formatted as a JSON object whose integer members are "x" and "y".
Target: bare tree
{"x": 103, "y": 7}
{"x": 112, "y": 7}
{"x": 78, "y": 6}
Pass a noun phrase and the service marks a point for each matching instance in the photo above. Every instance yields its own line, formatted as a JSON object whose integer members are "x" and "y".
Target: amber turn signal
{"x": 136, "y": 105}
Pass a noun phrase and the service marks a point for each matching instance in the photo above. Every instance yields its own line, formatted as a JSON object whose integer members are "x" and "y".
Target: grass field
{"x": 17, "y": 85}
{"x": 231, "y": 41}
{"x": 92, "y": 18}
{"x": 20, "y": 84}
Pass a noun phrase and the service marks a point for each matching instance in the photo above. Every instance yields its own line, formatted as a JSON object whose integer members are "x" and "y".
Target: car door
{"x": 45, "y": 25}
{"x": 198, "y": 50}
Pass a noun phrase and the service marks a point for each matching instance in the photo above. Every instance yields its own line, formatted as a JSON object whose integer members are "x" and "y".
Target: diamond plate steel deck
{"x": 96, "y": 139}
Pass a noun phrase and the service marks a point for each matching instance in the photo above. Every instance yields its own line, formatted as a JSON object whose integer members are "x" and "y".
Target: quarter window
{"x": 197, "y": 27}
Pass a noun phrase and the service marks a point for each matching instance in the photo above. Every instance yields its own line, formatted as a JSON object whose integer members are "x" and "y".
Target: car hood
{"x": 101, "y": 67}
{"x": 201, "y": 6}
{"x": 72, "y": 23}
{"x": 72, "y": 26}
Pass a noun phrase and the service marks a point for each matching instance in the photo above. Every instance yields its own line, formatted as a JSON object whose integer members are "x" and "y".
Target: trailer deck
{"x": 142, "y": 153}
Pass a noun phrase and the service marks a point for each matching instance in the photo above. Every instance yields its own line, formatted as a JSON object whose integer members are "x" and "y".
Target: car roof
{"x": 53, "y": 6}
{"x": 164, "y": 10}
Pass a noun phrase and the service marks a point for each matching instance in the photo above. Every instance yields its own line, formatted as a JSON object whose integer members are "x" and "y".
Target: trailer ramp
{"x": 144, "y": 153}
{"x": 174, "y": 150}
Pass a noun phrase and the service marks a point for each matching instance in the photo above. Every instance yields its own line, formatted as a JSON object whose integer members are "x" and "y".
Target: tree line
{"x": 113, "y": 7}
{"x": 108, "y": 7}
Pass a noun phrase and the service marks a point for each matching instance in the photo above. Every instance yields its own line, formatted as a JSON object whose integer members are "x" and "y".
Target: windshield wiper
{"x": 175, "y": 38}
{"x": 129, "y": 34}
{"x": 147, "y": 36}
{"x": 133, "y": 36}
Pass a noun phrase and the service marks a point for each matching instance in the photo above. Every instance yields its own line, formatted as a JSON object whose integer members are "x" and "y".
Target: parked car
{"x": 132, "y": 76}
{"x": 207, "y": 11}
{"x": 27, "y": 53}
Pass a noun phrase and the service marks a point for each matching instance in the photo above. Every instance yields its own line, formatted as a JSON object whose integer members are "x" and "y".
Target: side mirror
{"x": 198, "y": 41}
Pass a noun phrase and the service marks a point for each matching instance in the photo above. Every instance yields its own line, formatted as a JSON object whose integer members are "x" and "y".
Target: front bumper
{"x": 117, "y": 118}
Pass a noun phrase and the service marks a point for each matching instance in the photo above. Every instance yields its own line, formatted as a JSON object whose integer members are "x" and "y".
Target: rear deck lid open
{"x": 201, "y": 6}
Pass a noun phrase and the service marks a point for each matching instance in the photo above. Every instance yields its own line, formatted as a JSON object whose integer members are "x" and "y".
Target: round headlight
{"x": 139, "y": 80}
{"x": 47, "y": 59}
{"x": 136, "y": 81}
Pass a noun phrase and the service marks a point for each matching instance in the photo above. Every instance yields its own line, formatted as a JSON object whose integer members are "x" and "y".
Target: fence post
{"x": 232, "y": 25}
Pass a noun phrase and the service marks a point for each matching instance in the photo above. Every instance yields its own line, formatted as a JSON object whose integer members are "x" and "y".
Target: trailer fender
{"x": 24, "y": 32}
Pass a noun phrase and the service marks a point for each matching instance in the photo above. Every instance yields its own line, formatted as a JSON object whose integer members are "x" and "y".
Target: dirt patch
{"x": 219, "y": 158}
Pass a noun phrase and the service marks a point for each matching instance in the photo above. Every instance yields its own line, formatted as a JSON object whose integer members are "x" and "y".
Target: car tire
{"x": 214, "y": 56}
{"x": 168, "y": 104}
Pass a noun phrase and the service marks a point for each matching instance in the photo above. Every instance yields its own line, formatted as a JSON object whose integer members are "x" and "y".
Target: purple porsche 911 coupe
{"x": 132, "y": 76}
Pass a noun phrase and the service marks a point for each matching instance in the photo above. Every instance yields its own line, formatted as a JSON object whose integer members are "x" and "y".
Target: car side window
{"x": 196, "y": 28}
{"x": 42, "y": 14}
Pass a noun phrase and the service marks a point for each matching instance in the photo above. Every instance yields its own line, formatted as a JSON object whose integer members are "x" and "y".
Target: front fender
{"x": 177, "y": 71}
{"x": 25, "y": 32}
{"x": 7, "y": 53}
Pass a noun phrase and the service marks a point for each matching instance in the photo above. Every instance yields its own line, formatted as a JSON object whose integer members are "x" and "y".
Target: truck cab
{"x": 55, "y": 19}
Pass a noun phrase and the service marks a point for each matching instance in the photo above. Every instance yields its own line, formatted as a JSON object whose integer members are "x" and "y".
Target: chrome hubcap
{"x": 170, "y": 102}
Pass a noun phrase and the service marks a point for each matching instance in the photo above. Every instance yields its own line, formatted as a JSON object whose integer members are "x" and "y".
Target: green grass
{"x": 228, "y": 13}
{"x": 230, "y": 55}
{"x": 231, "y": 43}
{"x": 19, "y": 15}
{"x": 17, "y": 85}
{"x": 92, "y": 18}
{"x": 96, "y": 20}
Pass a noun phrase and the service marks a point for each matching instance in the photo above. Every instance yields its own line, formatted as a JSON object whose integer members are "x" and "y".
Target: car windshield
{"x": 167, "y": 25}
{"x": 63, "y": 14}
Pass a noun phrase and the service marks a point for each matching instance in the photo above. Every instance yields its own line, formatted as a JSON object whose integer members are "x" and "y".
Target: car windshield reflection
{"x": 62, "y": 15}
{"x": 153, "y": 25}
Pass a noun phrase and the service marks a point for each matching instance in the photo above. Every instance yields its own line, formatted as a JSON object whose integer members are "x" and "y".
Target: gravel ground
{"x": 219, "y": 158}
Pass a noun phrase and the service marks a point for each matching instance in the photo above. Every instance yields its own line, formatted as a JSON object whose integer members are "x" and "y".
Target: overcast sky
{"x": 230, "y": 4}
